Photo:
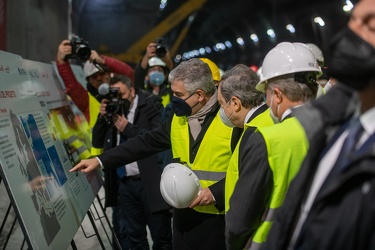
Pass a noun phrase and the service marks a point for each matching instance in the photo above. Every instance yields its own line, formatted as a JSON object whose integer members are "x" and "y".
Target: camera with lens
{"x": 80, "y": 48}
{"x": 161, "y": 50}
{"x": 116, "y": 105}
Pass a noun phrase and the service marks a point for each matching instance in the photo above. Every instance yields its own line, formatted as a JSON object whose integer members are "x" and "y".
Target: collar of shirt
{"x": 251, "y": 112}
{"x": 367, "y": 120}
{"x": 286, "y": 113}
{"x": 131, "y": 113}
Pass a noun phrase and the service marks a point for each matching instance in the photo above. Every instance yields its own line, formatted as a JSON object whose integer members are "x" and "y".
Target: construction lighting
{"x": 240, "y": 41}
{"x": 319, "y": 21}
{"x": 163, "y": 4}
{"x": 271, "y": 33}
{"x": 291, "y": 28}
{"x": 228, "y": 44}
{"x": 254, "y": 37}
{"x": 348, "y": 6}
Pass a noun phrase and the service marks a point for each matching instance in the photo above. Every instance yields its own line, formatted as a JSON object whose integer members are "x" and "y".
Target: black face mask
{"x": 351, "y": 60}
{"x": 180, "y": 107}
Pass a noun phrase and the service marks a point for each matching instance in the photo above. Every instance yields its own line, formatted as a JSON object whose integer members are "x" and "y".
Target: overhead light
{"x": 177, "y": 58}
{"x": 222, "y": 46}
{"x": 240, "y": 41}
{"x": 202, "y": 51}
{"x": 348, "y": 6}
{"x": 319, "y": 21}
{"x": 271, "y": 33}
{"x": 254, "y": 37}
{"x": 208, "y": 50}
{"x": 163, "y": 4}
{"x": 228, "y": 44}
{"x": 291, "y": 28}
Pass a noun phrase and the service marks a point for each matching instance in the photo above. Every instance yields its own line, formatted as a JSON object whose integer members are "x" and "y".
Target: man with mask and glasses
{"x": 197, "y": 137}
{"x": 330, "y": 204}
{"x": 270, "y": 157}
{"x": 133, "y": 190}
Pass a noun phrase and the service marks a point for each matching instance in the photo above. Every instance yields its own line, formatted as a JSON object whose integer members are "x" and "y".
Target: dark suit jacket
{"x": 342, "y": 215}
{"x": 147, "y": 116}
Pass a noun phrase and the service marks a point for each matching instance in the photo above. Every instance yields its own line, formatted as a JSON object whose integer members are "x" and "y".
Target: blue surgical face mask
{"x": 156, "y": 78}
{"x": 224, "y": 117}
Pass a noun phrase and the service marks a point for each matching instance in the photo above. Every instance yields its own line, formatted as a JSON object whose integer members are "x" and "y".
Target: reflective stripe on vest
{"x": 210, "y": 176}
{"x": 287, "y": 146}
{"x": 94, "y": 109}
{"x": 212, "y": 158}
{"x": 262, "y": 120}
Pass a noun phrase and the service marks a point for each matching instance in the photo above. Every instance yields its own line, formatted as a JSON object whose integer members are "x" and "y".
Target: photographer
{"x": 85, "y": 98}
{"x": 133, "y": 190}
{"x": 148, "y": 64}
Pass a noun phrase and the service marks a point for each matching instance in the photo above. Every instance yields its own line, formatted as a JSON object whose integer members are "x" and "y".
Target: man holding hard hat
{"x": 198, "y": 138}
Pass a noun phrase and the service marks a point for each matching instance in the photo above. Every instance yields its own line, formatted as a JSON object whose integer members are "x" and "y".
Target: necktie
{"x": 348, "y": 148}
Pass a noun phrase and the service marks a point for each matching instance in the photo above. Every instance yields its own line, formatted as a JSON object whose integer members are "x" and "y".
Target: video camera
{"x": 80, "y": 48}
{"x": 115, "y": 105}
{"x": 161, "y": 50}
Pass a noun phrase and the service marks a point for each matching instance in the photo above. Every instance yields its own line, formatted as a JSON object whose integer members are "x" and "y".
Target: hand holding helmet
{"x": 179, "y": 186}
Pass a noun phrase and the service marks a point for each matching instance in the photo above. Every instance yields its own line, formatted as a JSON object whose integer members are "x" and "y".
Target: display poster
{"x": 39, "y": 142}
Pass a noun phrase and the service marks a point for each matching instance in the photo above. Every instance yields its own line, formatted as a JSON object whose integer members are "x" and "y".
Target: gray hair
{"x": 238, "y": 69}
{"x": 243, "y": 87}
{"x": 195, "y": 74}
{"x": 121, "y": 78}
{"x": 293, "y": 90}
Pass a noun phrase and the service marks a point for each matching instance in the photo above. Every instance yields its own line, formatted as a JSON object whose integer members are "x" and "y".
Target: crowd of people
{"x": 284, "y": 156}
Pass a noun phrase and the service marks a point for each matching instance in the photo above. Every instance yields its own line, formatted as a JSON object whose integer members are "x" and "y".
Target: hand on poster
{"x": 86, "y": 166}
{"x": 39, "y": 182}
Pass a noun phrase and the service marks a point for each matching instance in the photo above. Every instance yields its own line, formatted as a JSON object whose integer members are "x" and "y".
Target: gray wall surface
{"x": 35, "y": 28}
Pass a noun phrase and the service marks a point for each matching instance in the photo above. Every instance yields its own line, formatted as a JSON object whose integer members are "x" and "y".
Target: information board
{"x": 39, "y": 142}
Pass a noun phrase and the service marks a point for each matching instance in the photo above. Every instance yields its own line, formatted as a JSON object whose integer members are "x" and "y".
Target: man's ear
{"x": 200, "y": 94}
{"x": 278, "y": 95}
{"x": 236, "y": 102}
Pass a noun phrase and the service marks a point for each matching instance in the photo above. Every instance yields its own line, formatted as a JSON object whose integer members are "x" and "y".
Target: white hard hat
{"x": 317, "y": 52}
{"x": 156, "y": 61}
{"x": 89, "y": 69}
{"x": 287, "y": 58}
{"x": 179, "y": 185}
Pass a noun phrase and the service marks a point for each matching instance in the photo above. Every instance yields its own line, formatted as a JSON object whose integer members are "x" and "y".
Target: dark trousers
{"x": 133, "y": 214}
{"x": 194, "y": 230}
